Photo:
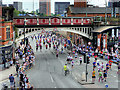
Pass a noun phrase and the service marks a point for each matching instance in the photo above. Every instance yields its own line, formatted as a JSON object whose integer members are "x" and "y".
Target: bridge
{"x": 82, "y": 26}
{"x": 78, "y": 25}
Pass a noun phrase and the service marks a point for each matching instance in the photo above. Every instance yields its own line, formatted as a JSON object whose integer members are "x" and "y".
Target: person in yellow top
{"x": 93, "y": 76}
{"x": 65, "y": 69}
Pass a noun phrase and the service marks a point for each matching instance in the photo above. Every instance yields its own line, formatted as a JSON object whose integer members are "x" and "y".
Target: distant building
{"x": 45, "y": 7}
{"x": 89, "y": 11}
{"x": 6, "y": 33}
{"x": 114, "y": 4}
{"x": 4, "y": 5}
{"x": 18, "y": 6}
{"x": 10, "y": 5}
{"x": 80, "y": 3}
{"x": 0, "y": 9}
{"x": 60, "y": 7}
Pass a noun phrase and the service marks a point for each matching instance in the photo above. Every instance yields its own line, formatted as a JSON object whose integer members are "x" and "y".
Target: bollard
{"x": 83, "y": 76}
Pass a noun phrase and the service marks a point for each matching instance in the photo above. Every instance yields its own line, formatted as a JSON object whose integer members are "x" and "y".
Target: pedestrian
{"x": 17, "y": 68}
{"x": 4, "y": 61}
{"x": 93, "y": 76}
{"x": 12, "y": 81}
{"x": 100, "y": 76}
{"x": 80, "y": 60}
{"x": 105, "y": 75}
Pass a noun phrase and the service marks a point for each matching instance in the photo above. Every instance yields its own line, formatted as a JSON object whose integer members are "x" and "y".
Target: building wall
{"x": 45, "y": 7}
{"x": 60, "y": 7}
{"x": 88, "y": 15}
{"x": 80, "y": 3}
{"x": 18, "y": 5}
{"x": 4, "y": 36}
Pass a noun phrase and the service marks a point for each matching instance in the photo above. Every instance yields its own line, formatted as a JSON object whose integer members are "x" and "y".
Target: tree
{"x": 16, "y": 12}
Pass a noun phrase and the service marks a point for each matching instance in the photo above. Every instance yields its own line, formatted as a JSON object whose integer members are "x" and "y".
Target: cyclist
{"x": 65, "y": 69}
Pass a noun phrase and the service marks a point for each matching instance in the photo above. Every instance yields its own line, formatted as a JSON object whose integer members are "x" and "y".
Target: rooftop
{"x": 77, "y": 10}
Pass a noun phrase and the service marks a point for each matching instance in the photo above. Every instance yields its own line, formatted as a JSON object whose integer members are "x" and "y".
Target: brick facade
{"x": 80, "y": 3}
{"x": 4, "y": 36}
{"x": 88, "y": 15}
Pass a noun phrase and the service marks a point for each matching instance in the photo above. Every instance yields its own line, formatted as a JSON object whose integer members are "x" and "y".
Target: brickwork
{"x": 88, "y": 15}
{"x": 80, "y": 3}
{"x": 4, "y": 36}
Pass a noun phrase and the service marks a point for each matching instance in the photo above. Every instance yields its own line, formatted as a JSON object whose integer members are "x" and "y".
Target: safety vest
{"x": 65, "y": 67}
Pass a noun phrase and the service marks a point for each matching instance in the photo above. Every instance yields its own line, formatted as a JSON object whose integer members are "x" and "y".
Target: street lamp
{"x": 24, "y": 29}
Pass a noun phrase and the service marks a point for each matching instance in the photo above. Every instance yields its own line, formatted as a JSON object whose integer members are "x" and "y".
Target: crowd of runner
{"x": 60, "y": 44}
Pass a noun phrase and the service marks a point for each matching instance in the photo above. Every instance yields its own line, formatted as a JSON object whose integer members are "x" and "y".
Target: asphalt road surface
{"x": 48, "y": 71}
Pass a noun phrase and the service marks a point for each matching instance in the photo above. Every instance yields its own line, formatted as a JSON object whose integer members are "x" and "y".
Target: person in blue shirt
{"x": 12, "y": 81}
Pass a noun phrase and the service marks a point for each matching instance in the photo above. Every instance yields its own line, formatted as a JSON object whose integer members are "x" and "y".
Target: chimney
{"x": 80, "y": 3}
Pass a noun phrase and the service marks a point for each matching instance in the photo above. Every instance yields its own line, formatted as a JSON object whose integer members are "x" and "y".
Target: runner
{"x": 68, "y": 58}
{"x": 93, "y": 76}
{"x": 105, "y": 75}
{"x": 80, "y": 60}
{"x": 110, "y": 63}
{"x": 46, "y": 46}
{"x": 72, "y": 63}
{"x": 107, "y": 67}
{"x": 94, "y": 64}
{"x": 100, "y": 76}
{"x": 76, "y": 56}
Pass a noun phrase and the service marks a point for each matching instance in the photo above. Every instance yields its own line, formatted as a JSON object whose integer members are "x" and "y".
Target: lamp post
{"x": 105, "y": 12}
{"x": 24, "y": 29}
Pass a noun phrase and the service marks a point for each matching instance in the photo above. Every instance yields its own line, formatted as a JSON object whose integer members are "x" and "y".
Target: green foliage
{"x": 16, "y": 12}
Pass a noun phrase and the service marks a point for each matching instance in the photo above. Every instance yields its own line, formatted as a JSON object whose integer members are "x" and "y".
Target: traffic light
{"x": 88, "y": 60}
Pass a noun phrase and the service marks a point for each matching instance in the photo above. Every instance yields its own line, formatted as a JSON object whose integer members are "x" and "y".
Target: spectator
{"x": 12, "y": 81}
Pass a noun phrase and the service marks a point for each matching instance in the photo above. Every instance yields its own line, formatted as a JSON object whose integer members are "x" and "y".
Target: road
{"x": 48, "y": 71}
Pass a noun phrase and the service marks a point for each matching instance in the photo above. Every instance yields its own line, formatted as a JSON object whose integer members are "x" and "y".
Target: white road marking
{"x": 51, "y": 78}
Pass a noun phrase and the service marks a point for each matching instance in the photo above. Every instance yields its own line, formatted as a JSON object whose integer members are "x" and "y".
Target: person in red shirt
{"x": 110, "y": 63}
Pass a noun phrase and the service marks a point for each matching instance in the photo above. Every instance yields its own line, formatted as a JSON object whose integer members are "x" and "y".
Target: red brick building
{"x": 80, "y": 3}
{"x": 7, "y": 32}
{"x": 82, "y": 9}
{"x": 73, "y": 11}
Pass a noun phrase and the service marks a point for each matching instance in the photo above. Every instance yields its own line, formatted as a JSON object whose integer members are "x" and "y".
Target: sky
{"x": 28, "y": 4}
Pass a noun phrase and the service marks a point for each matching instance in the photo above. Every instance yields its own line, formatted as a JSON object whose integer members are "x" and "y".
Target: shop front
{"x": 6, "y": 53}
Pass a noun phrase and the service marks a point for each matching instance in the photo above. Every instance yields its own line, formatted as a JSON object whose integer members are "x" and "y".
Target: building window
{"x": 7, "y": 33}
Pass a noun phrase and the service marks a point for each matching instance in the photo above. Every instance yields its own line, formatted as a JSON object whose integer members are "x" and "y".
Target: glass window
{"x": 7, "y": 33}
